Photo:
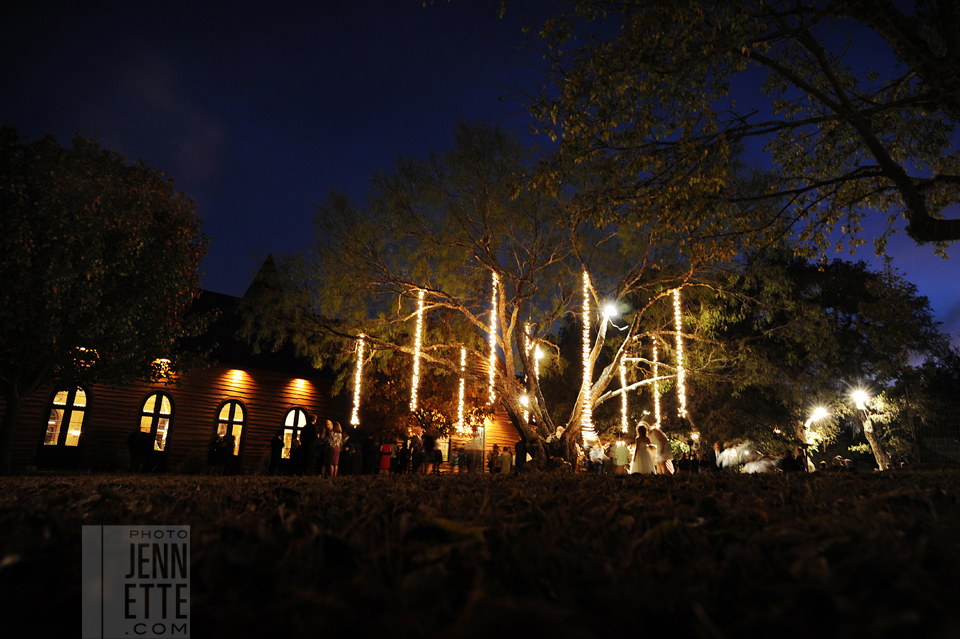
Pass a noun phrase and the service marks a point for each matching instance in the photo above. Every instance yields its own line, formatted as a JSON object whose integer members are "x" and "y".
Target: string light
{"x": 493, "y": 339}
{"x": 358, "y": 377}
{"x": 526, "y": 351}
{"x": 623, "y": 396}
{"x": 416, "y": 354}
{"x": 586, "y": 414}
{"x": 681, "y": 373}
{"x": 656, "y": 387}
{"x": 463, "y": 369}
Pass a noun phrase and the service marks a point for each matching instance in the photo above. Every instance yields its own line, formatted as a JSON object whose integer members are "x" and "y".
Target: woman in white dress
{"x": 642, "y": 461}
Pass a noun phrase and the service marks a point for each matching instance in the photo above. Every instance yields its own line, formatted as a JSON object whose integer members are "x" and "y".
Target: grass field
{"x": 713, "y": 555}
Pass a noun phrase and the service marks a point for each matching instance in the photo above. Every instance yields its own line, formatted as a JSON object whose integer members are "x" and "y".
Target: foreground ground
{"x": 561, "y": 555}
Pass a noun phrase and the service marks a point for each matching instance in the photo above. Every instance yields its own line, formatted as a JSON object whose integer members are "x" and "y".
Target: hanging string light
{"x": 418, "y": 341}
{"x": 623, "y": 396}
{"x": 586, "y": 414}
{"x": 357, "y": 378}
{"x": 493, "y": 339}
{"x": 463, "y": 380}
{"x": 656, "y": 387}
{"x": 526, "y": 351}
{"x": 681, "y": 374}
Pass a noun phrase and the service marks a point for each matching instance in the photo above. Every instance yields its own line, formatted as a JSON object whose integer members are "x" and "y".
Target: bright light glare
{"x": 819, "y": 413}
{"x": 861, "y": 398}
{"x": 609, "y": 310}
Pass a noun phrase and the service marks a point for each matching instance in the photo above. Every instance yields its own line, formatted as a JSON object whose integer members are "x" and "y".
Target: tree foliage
{"x": 445, "y": 226}
{"x": 99, "y": 264}
{"x": 859, "y": 104}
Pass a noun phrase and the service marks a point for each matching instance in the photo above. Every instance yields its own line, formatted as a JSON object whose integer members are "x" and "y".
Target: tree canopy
{"x": 471, "y": 230}
{"x": 856, "y": 107}
{"x": 99, "y": 264}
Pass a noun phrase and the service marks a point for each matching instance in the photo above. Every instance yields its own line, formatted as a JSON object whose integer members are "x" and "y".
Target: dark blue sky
{"x": 257, "y": 110}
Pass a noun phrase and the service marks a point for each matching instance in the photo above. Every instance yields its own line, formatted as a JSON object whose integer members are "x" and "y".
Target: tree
{"x": 466, "y": 228}
{"x": 809, "y": 334}
{"x": 653, "y": 95}
{"x": 99, "y": 264}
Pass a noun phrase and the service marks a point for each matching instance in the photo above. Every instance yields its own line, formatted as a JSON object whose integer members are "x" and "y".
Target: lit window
{"x": 296, "y": 419}
{"x": 230, "y": 421}
{"x": 155, "y": 418}
{"x": 67, "y": 407}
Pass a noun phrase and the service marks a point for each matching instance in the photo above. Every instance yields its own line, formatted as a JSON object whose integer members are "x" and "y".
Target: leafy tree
{"x": 99, "y": 264}
{"x": 808, "y": 334}
{"x": 445, "y": 226}
{"x": 644, "y": 92}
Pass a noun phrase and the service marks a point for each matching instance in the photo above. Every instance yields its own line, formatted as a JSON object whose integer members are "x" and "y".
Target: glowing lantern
{"x": 681, "y": 374}
{"x": 416, "y": 354}
{"x": 358, "y": 377}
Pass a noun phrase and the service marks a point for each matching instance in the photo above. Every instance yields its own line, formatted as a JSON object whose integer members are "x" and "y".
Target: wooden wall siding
{"x": 500, "y": 432}
{"x": 112, "y": 413}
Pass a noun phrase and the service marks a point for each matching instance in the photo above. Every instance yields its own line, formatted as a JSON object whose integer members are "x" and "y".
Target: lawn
{"x": 712, "y": 555}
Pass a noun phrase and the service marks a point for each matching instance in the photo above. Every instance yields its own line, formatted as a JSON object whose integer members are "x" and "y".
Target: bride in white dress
{"x": 642, "y": 461}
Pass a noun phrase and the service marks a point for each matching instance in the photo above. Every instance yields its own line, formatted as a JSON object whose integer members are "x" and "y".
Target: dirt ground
{"x": 712, "y": 555}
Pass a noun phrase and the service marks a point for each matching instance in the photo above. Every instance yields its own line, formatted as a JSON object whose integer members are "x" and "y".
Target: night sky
{"x": 256, "y": 110}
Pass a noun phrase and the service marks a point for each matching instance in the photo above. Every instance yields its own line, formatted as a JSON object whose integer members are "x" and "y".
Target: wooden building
{"x": 250, "y": 396}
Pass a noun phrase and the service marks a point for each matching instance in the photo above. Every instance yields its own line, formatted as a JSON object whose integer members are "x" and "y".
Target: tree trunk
{"x": 11, "y": 416}
{"x": 883, "y": 460}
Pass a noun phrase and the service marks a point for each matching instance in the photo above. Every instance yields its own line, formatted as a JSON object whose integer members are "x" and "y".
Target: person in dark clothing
{"x": 403, "y": 457}
{"x": 521, "y": 458}
{"x": 276, "y": 451}
{"x": 308, "y": 445}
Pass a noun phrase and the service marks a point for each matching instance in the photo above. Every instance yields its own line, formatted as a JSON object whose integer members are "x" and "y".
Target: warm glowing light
{"x": 656, "y": 388}
{"x": 526, "y": 350}
{"x": 357, "y": 379}
{"x": 493, "y": 339}
{"x": 237, "y": 376}
{"x": 162, "y": 365}
{"x": 524, "y": 401}
{"x": 418, "y": 341}
{"x": 463, "y": 381}
{"x": 609, "y": 310}
{"x": 819, "y": 413}
{"x": 695, "y": 436}
{"x": 681, "y": 374}
{"x": 861, "y": 397}
{"x": 586, "y": 411}
{"x": 623, "y": 396}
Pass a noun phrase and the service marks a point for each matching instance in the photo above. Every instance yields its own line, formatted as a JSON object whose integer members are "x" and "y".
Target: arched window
{"x": 296, "y": 419}
{"x": 230, "y": 421}
{"x": 66, "y": 418}
{"x": 155, "y": 416}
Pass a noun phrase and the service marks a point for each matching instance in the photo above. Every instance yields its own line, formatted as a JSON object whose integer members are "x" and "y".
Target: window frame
{"x": 297, "y": 411}
{"x": 69, "y": 407}
{"x": 232, "y": 423}
{"x": 156, "y": 416}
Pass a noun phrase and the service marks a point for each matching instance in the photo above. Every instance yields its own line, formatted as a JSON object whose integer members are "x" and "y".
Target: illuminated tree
{"x": 855, "y": 105}
{"x": 99, "y": 264}
{"x": 458, "y": 226}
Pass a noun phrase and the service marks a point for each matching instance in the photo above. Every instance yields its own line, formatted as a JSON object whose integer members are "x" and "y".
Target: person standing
{"x": 494, "y": 463}
{"x": 642, "y": 461}
{"x": 506, "y": 461}
{"x": 332, "y": 449}
{"x": 621, "y": 455}
{"x": 276, "y": 451}
{"x": 664, "y": 452}
{"x": 308, "y": 445}
{"x": 521, "y": 458}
